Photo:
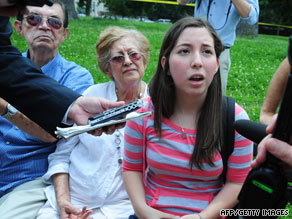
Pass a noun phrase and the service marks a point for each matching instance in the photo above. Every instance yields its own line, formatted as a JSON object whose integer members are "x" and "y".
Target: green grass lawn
{"x": 254, "y": 60}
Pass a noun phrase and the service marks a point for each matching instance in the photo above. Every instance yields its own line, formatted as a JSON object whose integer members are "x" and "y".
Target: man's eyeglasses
{"x": 35, "y": 20}
{"x": 120, "y": 59}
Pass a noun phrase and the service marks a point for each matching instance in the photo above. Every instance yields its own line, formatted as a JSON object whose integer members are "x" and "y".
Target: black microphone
{"x": 254, "y": 131}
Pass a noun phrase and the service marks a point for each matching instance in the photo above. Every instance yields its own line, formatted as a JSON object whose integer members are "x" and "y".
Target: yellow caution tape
{"x": 163, "y": 2}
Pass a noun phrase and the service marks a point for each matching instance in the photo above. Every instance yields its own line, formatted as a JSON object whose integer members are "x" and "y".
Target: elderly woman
{"x": 86, "y": 170}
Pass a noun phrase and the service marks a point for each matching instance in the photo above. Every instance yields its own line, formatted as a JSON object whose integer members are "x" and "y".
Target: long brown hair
{"x": 162, "y": 91}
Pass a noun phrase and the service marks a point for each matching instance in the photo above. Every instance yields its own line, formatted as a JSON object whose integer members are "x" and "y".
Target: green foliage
{"x": 153, "y": 11}
{"x": 172, "y": 12}
{"x": 253, "y": 61}
{"x": 85, "y": 5}
{"x": 276, "y": 12}
{"x": 117, "y": 7}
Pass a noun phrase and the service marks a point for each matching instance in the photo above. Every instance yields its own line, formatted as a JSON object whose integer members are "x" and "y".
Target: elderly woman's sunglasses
{"x": 120, "y": 59}
{"x": 35, "y": 20}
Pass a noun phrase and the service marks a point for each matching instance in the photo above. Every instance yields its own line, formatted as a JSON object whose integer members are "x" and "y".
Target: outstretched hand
{"x": 85, "y": 107}
{"x": 69, "y": 211}
{"x": 276, "y": 147}
{"x": 84, "y": 214}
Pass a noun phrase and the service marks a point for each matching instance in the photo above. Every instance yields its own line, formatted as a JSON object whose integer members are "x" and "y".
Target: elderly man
{"x": 23, "y": 157}
{"x": 19, "y": 76}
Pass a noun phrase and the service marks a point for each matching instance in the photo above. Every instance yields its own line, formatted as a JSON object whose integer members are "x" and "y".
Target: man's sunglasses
{"x": 120, "y": 59}
{"x": 35, "y": 20}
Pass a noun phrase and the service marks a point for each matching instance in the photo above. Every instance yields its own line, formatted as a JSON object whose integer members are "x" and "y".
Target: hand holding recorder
{"x": 266, "y": 186}
{"x": 280, "y": 149}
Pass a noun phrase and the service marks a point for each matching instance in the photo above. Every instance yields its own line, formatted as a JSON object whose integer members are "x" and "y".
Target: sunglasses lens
{"x": 134, "y": 56}
{"x": 33, "y": 20}
{"x": 55, "y": 23}
{"x": 118, "y": 59}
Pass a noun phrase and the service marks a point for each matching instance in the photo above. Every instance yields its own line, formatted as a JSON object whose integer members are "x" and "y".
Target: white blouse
{"x": 95, "y": 174}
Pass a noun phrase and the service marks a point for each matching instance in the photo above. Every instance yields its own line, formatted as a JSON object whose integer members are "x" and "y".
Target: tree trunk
{"x": 243, "y": 29}
{"x": 71, "y": 8}
{"x": 88, "y": 7}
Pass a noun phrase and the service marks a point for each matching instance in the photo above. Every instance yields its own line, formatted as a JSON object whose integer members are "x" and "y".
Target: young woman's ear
{"x": 218, "y": 65}
{"x": 163, "y": 59}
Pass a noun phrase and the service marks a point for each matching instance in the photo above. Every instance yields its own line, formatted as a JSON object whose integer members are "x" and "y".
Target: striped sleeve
{"x": 241, "y": 157}
{"x": 134, "y": 142}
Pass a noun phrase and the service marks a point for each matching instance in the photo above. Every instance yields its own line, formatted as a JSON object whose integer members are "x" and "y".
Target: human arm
{"x": 58, "y": 175}
{"x": 275, "y": 92}
{"x": 66, "y": 209}
{"x": 47, "y": 107}
{"x": 133, "y": 181}
{"x": 225, "y": 199}
{"x": 183, "y": 2}
{"x": 238, "y": 166}
{"x": 242, "y": 7}
{"x": 61, "y": 184}
{"x": 133, "y": 170}
{"x": 3, "y": 105}
{"x": 24, "y": 86}
{"x": 59, "y": 161}
{"x": 133, "y": 166}
{"x": 40, "y": 98}
{"x": 25, "y": 124}
{"x": 276, "y": 147}
{"x": 248, "y": 10}
{"x": 85, "y": 107}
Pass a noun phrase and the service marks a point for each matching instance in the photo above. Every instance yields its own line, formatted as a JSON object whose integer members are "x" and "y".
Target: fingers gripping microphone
{"x": 254, "y": 131}
{"x": 264, "y": 186}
